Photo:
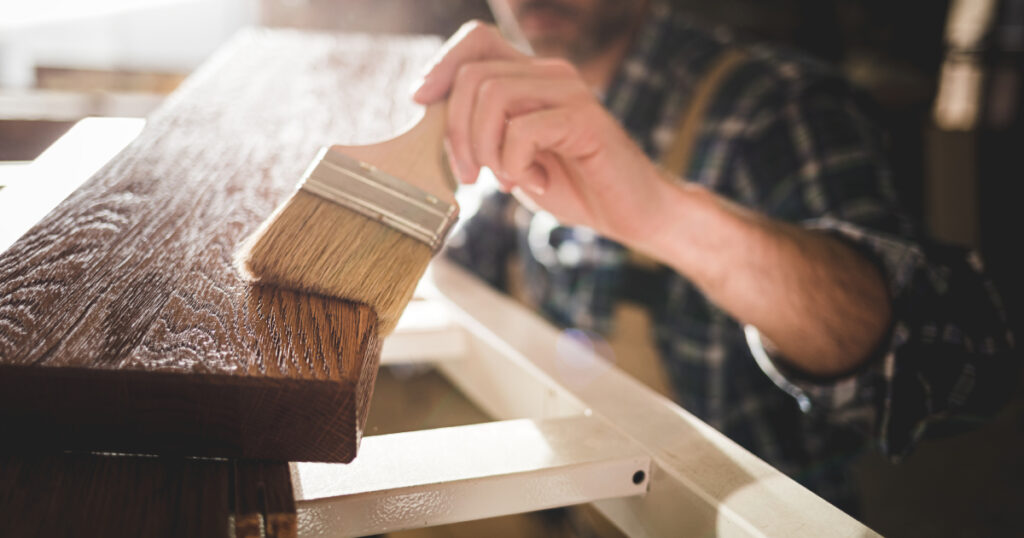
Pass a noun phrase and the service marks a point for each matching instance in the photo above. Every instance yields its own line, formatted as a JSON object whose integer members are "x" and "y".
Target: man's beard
{"x": 598, "y": 28}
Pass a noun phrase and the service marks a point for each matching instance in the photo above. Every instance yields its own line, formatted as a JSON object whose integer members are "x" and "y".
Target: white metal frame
{"x": 446, "y": 475}
{"x": 514, "y": 365}
{"x": 570, "y": 427}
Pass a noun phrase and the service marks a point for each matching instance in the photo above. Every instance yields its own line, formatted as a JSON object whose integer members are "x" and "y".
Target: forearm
{"x": 823, "y": 305}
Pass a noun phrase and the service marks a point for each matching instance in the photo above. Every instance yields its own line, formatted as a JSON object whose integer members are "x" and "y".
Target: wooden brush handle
{"x": 415, "y": 156}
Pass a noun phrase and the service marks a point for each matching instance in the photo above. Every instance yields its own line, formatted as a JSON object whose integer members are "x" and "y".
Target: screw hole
{"x": 638, "y": 477}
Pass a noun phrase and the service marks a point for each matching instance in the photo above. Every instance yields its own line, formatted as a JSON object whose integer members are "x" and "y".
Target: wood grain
{"x": 108, "y": 495}
{"x": 123, "y": 325}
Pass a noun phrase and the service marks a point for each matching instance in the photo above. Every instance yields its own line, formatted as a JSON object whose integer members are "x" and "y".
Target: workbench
{"x": 569, "y": 427}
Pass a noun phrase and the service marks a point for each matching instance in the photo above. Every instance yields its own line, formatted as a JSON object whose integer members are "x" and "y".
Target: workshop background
{"x": 947, "y": 75}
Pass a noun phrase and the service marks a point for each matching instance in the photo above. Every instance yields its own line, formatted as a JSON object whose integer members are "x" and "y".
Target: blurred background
{"x": 946, "y": 73}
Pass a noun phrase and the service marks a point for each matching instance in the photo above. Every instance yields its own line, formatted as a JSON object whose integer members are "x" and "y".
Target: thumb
{"x": 474, "y": 41}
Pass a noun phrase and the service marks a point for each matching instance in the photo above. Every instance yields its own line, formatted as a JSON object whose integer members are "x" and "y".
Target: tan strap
{"x": 676, "y": 159}
{"x": 632, "y": 329}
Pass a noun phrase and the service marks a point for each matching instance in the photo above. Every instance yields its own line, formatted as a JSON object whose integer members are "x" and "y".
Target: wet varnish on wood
{"x": 123, "y": 326}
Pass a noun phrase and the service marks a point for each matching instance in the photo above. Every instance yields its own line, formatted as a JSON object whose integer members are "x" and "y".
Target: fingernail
{"x": 536, "y": 189}
{"x": 429, "y": 66}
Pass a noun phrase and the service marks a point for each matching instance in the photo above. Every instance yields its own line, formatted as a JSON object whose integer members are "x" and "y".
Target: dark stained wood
{"x": 80, "y": 495}
{"x": 123, "y": 325}
{"x": 264, "y": 499}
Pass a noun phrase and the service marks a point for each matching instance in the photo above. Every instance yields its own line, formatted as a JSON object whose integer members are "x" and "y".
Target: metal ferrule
{"x": 366, "y": 190}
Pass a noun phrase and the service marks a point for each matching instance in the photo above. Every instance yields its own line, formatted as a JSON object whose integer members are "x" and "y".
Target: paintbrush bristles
{"x": 313, "y": 245}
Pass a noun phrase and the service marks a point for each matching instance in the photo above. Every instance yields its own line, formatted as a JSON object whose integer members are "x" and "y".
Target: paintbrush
{"x": 363, "y": 223}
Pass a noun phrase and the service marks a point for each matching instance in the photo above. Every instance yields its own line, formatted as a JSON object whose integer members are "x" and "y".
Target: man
{"x": 791, "y": 299}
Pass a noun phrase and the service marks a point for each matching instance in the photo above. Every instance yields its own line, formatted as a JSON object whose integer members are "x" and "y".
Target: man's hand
{"x": 540, "y": 129}
{"x": 538, "y": 126}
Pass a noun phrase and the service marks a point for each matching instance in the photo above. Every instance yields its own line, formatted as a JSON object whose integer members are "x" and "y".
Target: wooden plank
{"x": 263, "y": 500}
{"x": 93, "y": 495}
{"x": 123, "y": 325}
{"x": 54, "y": 494}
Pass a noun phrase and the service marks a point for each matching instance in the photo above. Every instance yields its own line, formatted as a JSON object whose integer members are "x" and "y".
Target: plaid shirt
{"x": 786, "y": 136}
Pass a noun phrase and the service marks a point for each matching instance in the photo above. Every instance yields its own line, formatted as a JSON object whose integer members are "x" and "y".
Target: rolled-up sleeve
{"x": 946, "y": 364}
{"x": 813, "y": 158}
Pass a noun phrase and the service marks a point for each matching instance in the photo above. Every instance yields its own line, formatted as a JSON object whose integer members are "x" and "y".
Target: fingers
{"x": 463, "y": 100}
{"x": 546, "y": 185}
{"x": 536, "y": 138}
{"x": 475, "y": 41}
{"x": 485, "y": 94}
{"x": 501, "y": 99}
{"x": 489, "y": 83}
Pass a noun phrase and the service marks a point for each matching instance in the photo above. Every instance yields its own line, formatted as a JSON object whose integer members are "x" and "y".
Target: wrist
{"x": 676, "y": 226}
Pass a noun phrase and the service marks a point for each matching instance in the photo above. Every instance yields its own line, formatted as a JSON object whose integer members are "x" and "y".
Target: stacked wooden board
{"x": 123, "y": 324}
